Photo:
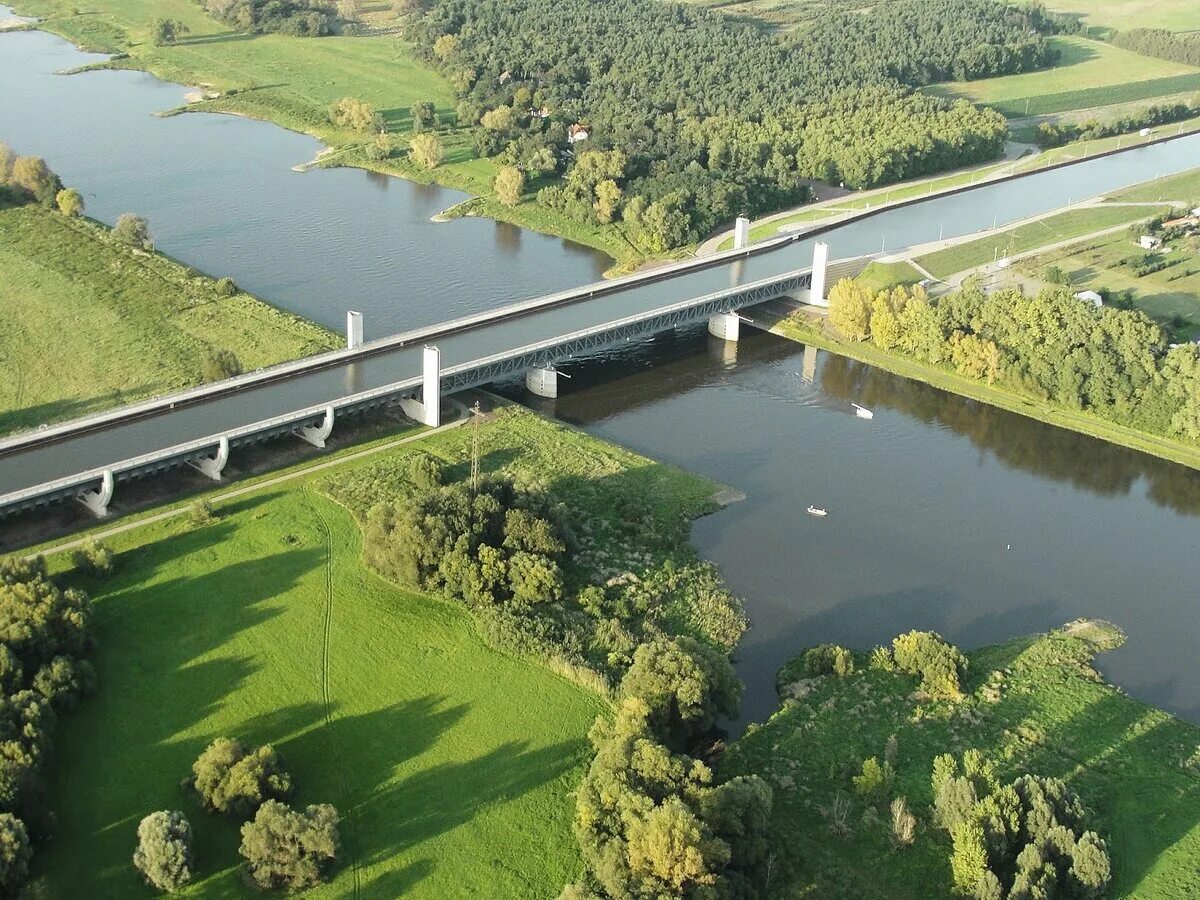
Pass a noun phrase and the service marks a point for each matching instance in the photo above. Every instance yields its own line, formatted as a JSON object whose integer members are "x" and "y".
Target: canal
{"x": 944, "y": 513}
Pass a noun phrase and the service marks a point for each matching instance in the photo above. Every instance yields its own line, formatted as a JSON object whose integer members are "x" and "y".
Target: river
{"x": 944, "y": 513}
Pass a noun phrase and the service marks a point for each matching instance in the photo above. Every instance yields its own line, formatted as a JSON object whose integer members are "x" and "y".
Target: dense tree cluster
{"x": 1181, "y": 48}
{"x": 1111, "y": 362}
{"x": 298, "y": 18}
{"x": 827, "y": 659}
{"x": 1020, "y": 841}
{"x": 1055, "y": 134}
{"x": 234, "y": 779}
{"x": 44, "y": 639}
{"x": 652, "y": 823}
{"x": 697, "y": 118}
{"x": 26, "y": 178}
{"x": 938, "y": 664}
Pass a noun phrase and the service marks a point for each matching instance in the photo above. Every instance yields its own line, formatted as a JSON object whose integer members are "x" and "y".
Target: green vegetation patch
{"x": 879, "y": 276}
{"x": 1089, "y": 73}
{"x": 1060, "y": 227}
{"x": 1034, "y": 705}
{"x": 118, "y": 324}
{"x": 1174, "y": 15}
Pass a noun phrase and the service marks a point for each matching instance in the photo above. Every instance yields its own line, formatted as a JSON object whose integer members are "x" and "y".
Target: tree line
{"x": 1055, "y": 134}
{"x": 297, "y": 18}
{"x": 1180, "y": 48}
{"x": 711, "y": 117}
{"x": 1051, "y": 346}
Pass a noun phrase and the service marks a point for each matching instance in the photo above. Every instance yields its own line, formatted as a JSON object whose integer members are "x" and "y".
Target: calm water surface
{"x": 944, "y": 513}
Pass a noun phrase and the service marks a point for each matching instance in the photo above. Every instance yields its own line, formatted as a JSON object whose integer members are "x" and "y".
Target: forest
{"x": 1181, "y": 48}
{"x": 710, "y": 117}
{"x": 293, "y": 17}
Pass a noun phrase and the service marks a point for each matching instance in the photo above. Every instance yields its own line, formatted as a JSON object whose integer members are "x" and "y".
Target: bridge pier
{"x": 427, "y": 410}
{"x": 725, "y": 326}
{"x": 316, "y": 434}
{"x": 542, "y": 382}
{"x": 816, "y": 294}
{"x": 741, "y": 233}
{"x": 212, "y": 466}
{"x": 810, "y": 364}
{"x": 354, "y": 329}
{"x": 97, "y": 501}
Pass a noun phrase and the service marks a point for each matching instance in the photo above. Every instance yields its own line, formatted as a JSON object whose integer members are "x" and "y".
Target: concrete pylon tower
{"x": 819, "y": 265}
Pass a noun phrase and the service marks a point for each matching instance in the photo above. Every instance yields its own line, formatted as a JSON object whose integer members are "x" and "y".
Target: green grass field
{"x": 1060, "y": 227}
{"x": 1173, "y": 15}
{"x": 117, "y": 326}
{"x": 1034, "y": 705}
{"x": 1089, "y": 73}
{"x": 451, "y": 763}
{"x": 877, "y": 275}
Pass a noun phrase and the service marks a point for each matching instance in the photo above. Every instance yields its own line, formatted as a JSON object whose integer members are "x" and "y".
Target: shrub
{"x": 166, "y": 31}
{"x": 70, "y": 202}
{"x": 426, "y": 472}
{"x": 164, "y": 850}
{"x": 220, "y": 364}
{"x": 828, "y": 659}
{"x": 226, "y": 286}
{"x": 938, "y": 664}
{"x": 288, "y": 849}
{"x": 881, "y": 659}
{"x": 201, "y": 513}
{"x": 379, "y": 148}
{"x": 134, "y": 231}
{"x": 904, "y": 824}
{"x": 874, "y": 781}
{"x": 233, "y": 779}
{"x": 93, "y": 558}
{"x": 64, "y": 680}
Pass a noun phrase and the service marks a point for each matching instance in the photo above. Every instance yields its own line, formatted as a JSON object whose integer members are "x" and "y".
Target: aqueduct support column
{"x": 316, "y": 434}
{"x": 212, "y": 466}
{"x": 741, "y": 233}
{"x": 542, "y": 382}
{"x": 427, "y": 410}
{"x": 820, "y": 263}
{"x": 724, "y": 326}
{"x": 354, "y": 329}
{"x": 97, "y": 501}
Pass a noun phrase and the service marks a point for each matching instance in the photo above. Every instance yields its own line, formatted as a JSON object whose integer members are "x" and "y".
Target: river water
{"x": 944, "y": 513}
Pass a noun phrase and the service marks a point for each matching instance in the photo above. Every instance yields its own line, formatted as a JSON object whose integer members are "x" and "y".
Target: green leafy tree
{"x": 874, "y": 781}
{"x": 164, "y": 850}
{"x": 424, "y": 115}
{"x": 938, "y": 663}
{"x": 7, "y": 158}
{"x": 166, "y": 31}
{"x": 69, "y": 202}
{"x": 15, "y": 853}
{"x": 357, "y": 115}
{"x": 231, "y": 778}
{"x": 31, "y": 174}
{"x": 286, "y": 848}
{"x": 510, "y": 184}
{"x": 93, "y": 558}
{"x": 686, "y": 685}
{"x": 134, "y": 231}
{"x": 426, "y": 150}
{"x": 850, "y": 306}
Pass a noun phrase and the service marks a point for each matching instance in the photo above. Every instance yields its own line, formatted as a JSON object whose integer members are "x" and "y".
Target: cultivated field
{"x": 1174, "y": 15}
{"x": 87, "y": 323}
{"x": 1090, "y": 73}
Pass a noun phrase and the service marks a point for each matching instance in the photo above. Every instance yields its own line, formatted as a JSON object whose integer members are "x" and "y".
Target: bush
{"x": 289, "y": 849}
{"x": 233, "y": 779}
{"x": 904, "y": 824}
{"x": 875, "y": 780}
{"x": 201, "y": 513}
{"x": 64, "y": 680}
{"x": 938, "y": 664}
{"x": 226, "y": 287}
{"x": 70, "y": 202}
{"x": 164, "y": 850}
{"x": 828, "y": 659}
{"x": 94, "y": 559}
{"x": 219, "y": 365}
{"x": 134, "y": 231}
{"x": 379, "y": 148}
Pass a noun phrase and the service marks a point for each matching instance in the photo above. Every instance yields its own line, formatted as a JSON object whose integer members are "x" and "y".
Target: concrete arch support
{"x": 97, "y": 501}
{"x": 214, "y": 465}
{"x": 725, "y": 326}
{"x": 542, "y": 382}
{"x": 317, "y": 434}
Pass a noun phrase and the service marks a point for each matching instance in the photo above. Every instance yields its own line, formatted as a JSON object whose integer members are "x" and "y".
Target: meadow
{"x": 1089, "y": 73}
{"x": 451, "y": 763}
{"x": 1042, "y": 232}
{"x": 119, "y": 325}
{"x": 1105, "y": 15}
{"x": 1034, "y": 705}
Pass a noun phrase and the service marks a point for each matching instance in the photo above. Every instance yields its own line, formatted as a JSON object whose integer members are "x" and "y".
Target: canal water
{"x": 944, "y": 513}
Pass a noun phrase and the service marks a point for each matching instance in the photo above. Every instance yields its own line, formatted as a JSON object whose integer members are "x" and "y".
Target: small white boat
{"x": 862, "y": 412}
{"x": 817, "y": 511}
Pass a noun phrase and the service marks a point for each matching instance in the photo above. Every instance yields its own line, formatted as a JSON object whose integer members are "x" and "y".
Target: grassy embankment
{"x": 878, "y": 276}
{"x": 1033, "y": 705}
{"x": 451, "y": 763}
{"x": 87, "y": 323}
{"x": 1089, "y": 74}
{"x": 1060, "y": 227}
{"x": 294, "y": 81}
